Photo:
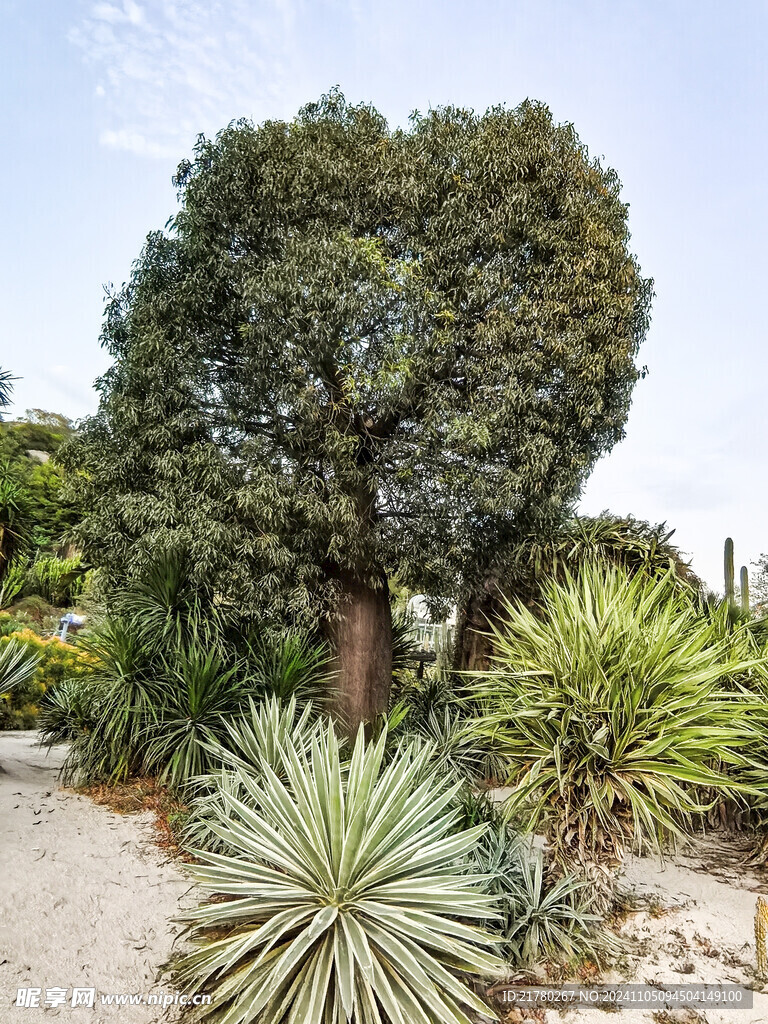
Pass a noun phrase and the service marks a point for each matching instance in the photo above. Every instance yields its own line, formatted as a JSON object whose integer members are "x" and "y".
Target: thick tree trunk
{"x": 473, "y": 647}
{"x": 361, "y": 635}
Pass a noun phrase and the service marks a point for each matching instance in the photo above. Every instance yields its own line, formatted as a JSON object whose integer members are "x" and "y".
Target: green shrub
{"x": 610, "y": 711}
{"x": 345, "y": 901}
{"x": 57, "y": 580}
{"x": 55, "y": 661}
{"x": 12, "y": 580}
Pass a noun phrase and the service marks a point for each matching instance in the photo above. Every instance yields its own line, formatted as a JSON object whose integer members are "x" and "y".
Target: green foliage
{"x": 18, "y": 663}
{"x": 12, "y": 580}
{"x": 14, "y": 517}
{"x": 345, "y": 900}
{"x": 34, "y": 515}
{"x": 57, "y": 580}
{"x": 173, "y": 677}
{"x": 404, "y": 645}
{"x": 353, "y": 354}
{"x": 70, "y": 710}
{"x": 611, "y": 708}
{"x": 194, "y": 697}
{"x": 290, "y": 666}
{"x": 6, "y": 387}
{"x": 542, "y": 918}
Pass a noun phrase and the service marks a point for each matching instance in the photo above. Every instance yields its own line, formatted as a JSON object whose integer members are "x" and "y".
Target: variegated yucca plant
{"x": 612, "y": 711}
{"x": 347, "y": 897}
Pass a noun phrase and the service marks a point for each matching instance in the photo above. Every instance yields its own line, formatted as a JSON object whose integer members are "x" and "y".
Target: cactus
{"x": 761, "y": 934}
{"x": 728, "y": 560}
{"x": 744, "y": 588}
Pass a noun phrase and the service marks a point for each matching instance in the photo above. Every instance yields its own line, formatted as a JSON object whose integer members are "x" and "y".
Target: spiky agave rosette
{"x": 348, "y": 897}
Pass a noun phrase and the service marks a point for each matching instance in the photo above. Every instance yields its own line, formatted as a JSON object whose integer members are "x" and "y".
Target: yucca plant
{"x": 18, "y": 663}
{"x": 454, "y": 746}
{"x": 404, "y": 644}
{"x": 345, "y": 903}
{"x": 196, "y": 695}
{"x": 290, "y": 666}
{"x": 610, "y": 710}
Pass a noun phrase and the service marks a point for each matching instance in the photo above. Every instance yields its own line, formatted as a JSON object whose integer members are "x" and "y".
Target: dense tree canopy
{"x": 360, "y": 352}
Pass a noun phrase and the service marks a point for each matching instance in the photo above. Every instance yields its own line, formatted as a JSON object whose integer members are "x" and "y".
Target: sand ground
{"x": 85, "y": 897}
{"x": 698, "y": 928}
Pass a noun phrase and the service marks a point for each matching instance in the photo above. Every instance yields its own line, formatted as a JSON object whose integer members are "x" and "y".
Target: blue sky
{"x": 102, "y": 98}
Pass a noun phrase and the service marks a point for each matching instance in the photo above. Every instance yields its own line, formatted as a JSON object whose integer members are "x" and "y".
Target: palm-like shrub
{"x": 70, "y": 710}
{"x": 610, "y": 711}
{"x": 346, "y": 903}
{"x": 123, "y": 654}
{"x": 18, "y": 662}
{"x": 291, "y": 666}
{"x": 195, "y": 695}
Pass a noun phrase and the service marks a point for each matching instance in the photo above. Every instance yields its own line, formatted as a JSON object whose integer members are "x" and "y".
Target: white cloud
{"x": 169, "y": 69}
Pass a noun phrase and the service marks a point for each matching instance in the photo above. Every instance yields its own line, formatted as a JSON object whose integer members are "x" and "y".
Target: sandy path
{"x": 701, "y": 930}
{"x": 85, "y": 897}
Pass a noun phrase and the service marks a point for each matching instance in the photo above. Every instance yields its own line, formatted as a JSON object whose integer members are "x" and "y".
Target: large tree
{"x": 360, "y": 351}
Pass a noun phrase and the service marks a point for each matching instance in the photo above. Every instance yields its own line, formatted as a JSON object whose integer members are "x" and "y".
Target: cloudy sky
{"x": 101, "y": 100}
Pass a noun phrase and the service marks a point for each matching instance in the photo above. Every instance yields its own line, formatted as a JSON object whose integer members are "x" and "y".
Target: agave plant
{"x": 345, "y": 901}
{"x": 610, "y": 710}
{"x": 261, "y": 736}
{"x": 257, "y": 739}
{"x": 18, "y": 663}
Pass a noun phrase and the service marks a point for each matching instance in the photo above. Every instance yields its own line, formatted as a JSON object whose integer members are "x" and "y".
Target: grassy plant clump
{"x": 612, "y": 713}
{"x": 347, "y": 898}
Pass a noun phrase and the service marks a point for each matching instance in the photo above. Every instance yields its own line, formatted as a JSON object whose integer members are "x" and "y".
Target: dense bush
{"x": 55, "y": 661}
{"x": 612, "y": 711}
{"x": 171, "y": 674}
{"x": 59, "y": 581}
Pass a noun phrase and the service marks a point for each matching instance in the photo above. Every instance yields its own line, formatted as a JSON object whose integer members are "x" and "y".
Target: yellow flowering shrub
{"x": 58, "y": 660}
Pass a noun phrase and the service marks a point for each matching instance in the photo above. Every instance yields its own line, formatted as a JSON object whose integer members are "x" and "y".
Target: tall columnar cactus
{"x": 761, "y": 937}
{"x": 728, "y": 562}
{"x": 744, "y": 589}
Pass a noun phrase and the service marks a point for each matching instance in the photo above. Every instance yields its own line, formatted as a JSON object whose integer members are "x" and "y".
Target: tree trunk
{"x": 473, "y": 647}
{"x": 361, "y": 635}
